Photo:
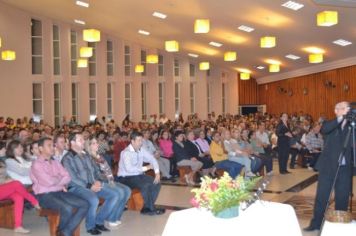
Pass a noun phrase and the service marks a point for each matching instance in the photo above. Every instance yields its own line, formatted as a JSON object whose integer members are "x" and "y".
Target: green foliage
{"x": 219, "y": 194}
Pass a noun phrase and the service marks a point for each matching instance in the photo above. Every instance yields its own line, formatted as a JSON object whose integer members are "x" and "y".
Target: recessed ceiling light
{"x": 82, "y": 4}
{"x": 246, "y": 28}
{"x": 292, "y": 5}
{"x": 342, "y": 42}
{"x": 260, "y": 67}
{"x": 144, "y": 32}
{"x": 314, "y": 50}
{"x": 159, "y": 15}
{"x": 272, "y": 61}
{"x": 293, "y": 57}
{"x": 193, "y": 55}
{"x": 215, "y": 44}
{"x": 81, "y": 22}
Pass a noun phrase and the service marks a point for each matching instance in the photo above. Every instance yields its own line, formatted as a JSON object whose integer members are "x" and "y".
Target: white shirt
{"x": 263, "y": 137}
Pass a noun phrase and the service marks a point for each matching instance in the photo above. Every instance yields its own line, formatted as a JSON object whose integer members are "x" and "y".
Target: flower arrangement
{"x": 217, "y": 195}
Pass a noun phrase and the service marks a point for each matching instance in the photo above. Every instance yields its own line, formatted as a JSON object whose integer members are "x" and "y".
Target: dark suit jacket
{"x": 180, "y": 152}
{"x": 283, "y": 140}
{"x": 334, "y": 138}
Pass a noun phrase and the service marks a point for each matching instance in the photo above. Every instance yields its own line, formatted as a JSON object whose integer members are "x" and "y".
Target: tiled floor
{"x": 297, "y": 189}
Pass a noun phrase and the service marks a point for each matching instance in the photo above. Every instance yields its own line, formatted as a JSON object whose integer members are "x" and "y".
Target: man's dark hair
{"x": 41, "y": 141}
{"x": 135, "y": 134}
{"x": 2, "y": 145}
{"x": 73, "y": 136}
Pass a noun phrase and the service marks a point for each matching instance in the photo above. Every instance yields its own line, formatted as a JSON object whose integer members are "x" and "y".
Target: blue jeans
{"x": 124, "y": 194}
{"x": 231, "y": 167}
{"x": 145, "y": 184}
{"x": 65, "y": 203}
{"x": 93, "y": 217}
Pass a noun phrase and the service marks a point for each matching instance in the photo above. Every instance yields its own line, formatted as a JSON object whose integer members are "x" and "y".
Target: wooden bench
{"x": 183, "y": 170}
{"x": 7, "y": 218}
{"x": 135, "y": 201}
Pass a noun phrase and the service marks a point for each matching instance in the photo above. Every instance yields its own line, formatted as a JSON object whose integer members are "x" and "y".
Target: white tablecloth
{"x": 339, "y": 229}
{"x": 262, "y": 218}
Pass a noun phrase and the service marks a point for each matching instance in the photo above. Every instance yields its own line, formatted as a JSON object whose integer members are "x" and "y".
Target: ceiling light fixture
{"x": 293, "y": 57}
{"x": 159, "y": 15}
{"x": 204, "y": 65}
{"x": 82, "y": 4}
{"x": 215, "y": 44}
{"x": 273, "y": 68}
{"x": 172, "y": 46}
{"x": 201, "y": 26}
{"x": 139, "y": 68}
{"x": 91, "y": 35}
{"x": 152, "y": 59}
{"x": 230, "y": 56}
{"x": 193, "y": 55}
{"x": 316, "y": 58}
{"x": 246, "y": 28}
{"x": 244, "y": 76}
{"x": 314, "y": 50}
{"x": 327, "y": 18}
{"x": 268, "y": 42}
{"x": 292, "y": 5}
{"x": 272, "y": 61}
{"x": 80, "y": 22}
{"x": 144, "y": 32}
{"x": 82, "y": 63}
{"x": 86, "y": 52}
{"x": 260, "y": 67}
{"x": 342, "y": 42}
{"x": 8, "y": 55}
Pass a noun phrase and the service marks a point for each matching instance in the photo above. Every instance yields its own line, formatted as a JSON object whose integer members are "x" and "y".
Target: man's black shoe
{"x": 310, "y": 228}
{"x": 94, "y": 231}
{"x": 288, "y": 172}
{"x": 146, "y": 211}
{"x": 160, "y": 211}
{"x": 102, "y": 228}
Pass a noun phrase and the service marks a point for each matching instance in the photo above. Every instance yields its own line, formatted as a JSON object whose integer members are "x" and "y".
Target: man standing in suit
{"x": 284, "y": 135}
{"x": 334, "y": 132}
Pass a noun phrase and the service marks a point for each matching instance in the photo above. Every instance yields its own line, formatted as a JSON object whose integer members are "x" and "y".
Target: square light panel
{"x": 82, "y": 4}
{"x": 144, "y": 32}
{"x": 215, "y": 44}
{"x": 246, "y": 28}
{"x": 293, "y": 57}
{"x": 260, "y": 67}
{"x": 292, "y": 5}
{"x": 193, "y": 55}
{"x": 80, "y": 22}
{"x": 342, "y": 42}
{"x": 159, "y": 15}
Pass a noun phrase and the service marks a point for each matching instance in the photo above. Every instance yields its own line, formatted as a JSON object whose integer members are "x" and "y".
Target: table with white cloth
{"x": 261, "y": 218}
{"x": 341, "y": 229}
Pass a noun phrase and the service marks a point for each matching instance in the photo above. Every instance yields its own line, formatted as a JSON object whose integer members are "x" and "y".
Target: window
{"x": 36, "y": 43}
{"x": 143, "y": 62}
{"x": 56, "y": 51}
{"x": 92, "y": 59}
{"x": 160, "y": 65}
{"x": 75, "y": 96}
{"x": 37, "y": 106}
{"x": 161, "y": 95}
{"x": 208, "y": 95}
{"x": 176, "y": 67}
{"x": 192, "y": 98}
{"x": 109, "y": 100}
{"x": 57, "y": 104}
{"x": 127, "y": 61}
{"x": 223, "y": 98}
{"x": 177, "y": 97}
{"x": 144, "y": 100}
{"x": 109, "y": 58}
{"x": 128, "y": 99}
{"x": 73, "y": 52}
{"x": 191, "y": 70}
{"x": 92, "y": 99}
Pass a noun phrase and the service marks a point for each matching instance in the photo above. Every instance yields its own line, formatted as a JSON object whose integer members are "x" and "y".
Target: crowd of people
{"x": 77, "y": 165}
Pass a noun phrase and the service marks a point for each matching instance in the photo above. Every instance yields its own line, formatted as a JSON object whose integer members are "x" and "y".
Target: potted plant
{"x": 223, "y": 196}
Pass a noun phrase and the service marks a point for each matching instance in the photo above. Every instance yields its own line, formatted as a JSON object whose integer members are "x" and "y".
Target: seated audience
{"x": 85, "y": 183}
{"x": 314, "y": 143}
{"x": 131, "y": 173}
{"x": 2, "y": 151}
{"x": 15, "y": 191}
{"x": 49, "y": 184}
{"x": 59, "y": 148}
{"x": 166, "y": 146}
{"x": 107, "y": 178}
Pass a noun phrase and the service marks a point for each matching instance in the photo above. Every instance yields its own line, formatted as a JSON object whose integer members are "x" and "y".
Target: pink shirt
{"x": 48, "y": 176}
{"x": 166, "y": 147}
{"x": 203, "y": 144}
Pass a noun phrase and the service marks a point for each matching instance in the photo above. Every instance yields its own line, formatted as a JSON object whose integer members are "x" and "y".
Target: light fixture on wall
{"x": 172, "y": 46}
{"x": 268, "y": 42}
{"x": 245, "y": 76}
{"x": 139, "y": 68}
{"x": 316, "y": 58}
{"x": 82, "y": 63}
{"x": 204, "y": 65}
{"x": 327, "y": 18}
{"x": 152, "y": 59}
{"x": 273, "y": 68}
{"x": 86, "y": 52}
{"x": 0, "y": 42}
{"x": 91, "y": 35}
{"x": 201, "y": 26}
{"x": 230, "y": 56}
{"x": 8, "y": 55}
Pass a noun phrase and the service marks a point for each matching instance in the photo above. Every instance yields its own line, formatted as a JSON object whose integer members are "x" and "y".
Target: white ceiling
{"x": 294, "y": 30}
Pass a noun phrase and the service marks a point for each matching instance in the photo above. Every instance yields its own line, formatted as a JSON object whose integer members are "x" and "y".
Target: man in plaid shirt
{"x": 314, "y": 143}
